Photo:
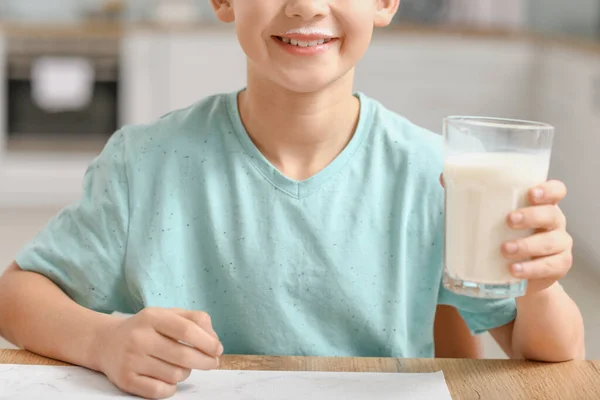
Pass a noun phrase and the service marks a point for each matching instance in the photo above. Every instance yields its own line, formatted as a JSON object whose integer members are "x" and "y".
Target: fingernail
{"x": 538, "y": 193}
{"x": 220, "y": 350}
{"x": 518, "y": 268}
{"x": 511, "y": 248}
{"x": 516, "y": 218}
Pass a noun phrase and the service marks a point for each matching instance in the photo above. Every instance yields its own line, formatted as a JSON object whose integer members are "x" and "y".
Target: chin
{"x": 305, "y": 87}
{"x": 307, "y": 83}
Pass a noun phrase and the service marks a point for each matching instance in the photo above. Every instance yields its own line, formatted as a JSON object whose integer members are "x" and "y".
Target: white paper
{"x": 62, "y": 84}
{"x": 49, "y": 383}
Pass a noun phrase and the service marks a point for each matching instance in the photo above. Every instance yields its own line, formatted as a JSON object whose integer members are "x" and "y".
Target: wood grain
{"x": 467, "y": 379}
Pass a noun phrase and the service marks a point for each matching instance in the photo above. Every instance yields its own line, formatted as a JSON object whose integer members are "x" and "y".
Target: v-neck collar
{"x": 295, "y": 188}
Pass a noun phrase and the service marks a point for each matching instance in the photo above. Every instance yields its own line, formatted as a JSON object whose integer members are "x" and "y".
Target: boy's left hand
{"x": 550, "y": 247}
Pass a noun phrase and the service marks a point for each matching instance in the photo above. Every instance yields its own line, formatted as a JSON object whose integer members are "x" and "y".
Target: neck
{"x": 299, "y": 133}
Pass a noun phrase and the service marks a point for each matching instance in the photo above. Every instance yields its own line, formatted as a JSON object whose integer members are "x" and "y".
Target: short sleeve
{"x": 82, "y": 248}
{"x": 481, "y": 315}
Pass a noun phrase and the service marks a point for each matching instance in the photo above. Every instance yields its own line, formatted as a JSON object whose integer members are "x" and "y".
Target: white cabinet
{"x": 506, "y": 14}
{"x": 202, "y": 64}
{"x": 163, "y": 71}
{"x": 426, "y": 78}
{"x": 568, "y": 96}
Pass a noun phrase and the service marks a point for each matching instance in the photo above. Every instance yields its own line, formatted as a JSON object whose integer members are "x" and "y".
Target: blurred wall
{"x": 578, "y": 17}
{"x": 45, "y": 10}
{"x": 73, "y": 10}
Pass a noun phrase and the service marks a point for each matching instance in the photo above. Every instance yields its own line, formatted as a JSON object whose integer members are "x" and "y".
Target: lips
{"x": 307, "y": 41}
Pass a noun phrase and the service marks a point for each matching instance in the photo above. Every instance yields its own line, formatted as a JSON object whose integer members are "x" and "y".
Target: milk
{"x": 482, "y": 189}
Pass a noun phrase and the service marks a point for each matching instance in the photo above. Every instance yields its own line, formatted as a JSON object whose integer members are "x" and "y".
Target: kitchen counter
{"x": 102, "y": 29}
{"x": 114, "y": 29}
{"x": 62, "y": 31}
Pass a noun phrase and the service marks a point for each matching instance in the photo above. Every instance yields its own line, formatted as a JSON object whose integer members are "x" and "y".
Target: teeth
{"x": 304, "y": 43}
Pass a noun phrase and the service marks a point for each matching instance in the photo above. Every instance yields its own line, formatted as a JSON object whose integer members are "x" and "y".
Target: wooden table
{"x": 467, "y": 379}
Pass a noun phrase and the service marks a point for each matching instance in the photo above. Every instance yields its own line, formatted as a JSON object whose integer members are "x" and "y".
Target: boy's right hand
{"x": 142, "y": 355}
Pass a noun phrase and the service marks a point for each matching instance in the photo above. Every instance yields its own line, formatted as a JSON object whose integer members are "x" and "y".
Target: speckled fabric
{"x": 186, "y": 212}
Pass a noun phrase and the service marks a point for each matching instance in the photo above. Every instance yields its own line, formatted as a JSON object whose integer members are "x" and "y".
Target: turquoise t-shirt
{"x": 186, "y": 212}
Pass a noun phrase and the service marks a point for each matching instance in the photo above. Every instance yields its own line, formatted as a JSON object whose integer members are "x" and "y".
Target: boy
{"x": 301, "y": 218}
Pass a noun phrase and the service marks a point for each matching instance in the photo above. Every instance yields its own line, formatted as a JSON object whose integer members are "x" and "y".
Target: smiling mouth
{"x": 303, "y": 43}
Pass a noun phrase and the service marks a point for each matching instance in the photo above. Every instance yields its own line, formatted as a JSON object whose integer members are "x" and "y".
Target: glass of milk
{"x": 490, "y": 165}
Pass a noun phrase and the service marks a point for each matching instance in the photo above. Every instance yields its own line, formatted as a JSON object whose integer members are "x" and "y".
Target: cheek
{"x": 358, "y": 39}
{"x": 356, "y": 21}
{"x": 249, "y": 25}
{"x": 250, "y": 40}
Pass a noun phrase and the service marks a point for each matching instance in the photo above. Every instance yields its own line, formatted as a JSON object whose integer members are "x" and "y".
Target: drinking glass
{"x": 490, "y": 165}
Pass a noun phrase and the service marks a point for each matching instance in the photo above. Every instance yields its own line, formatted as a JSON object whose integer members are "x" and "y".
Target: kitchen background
{"x": 579, "y": 17}
{"x": 73, "y": 71}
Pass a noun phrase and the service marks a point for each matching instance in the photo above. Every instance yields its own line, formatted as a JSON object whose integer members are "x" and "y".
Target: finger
{"x": 551, "y": 192}
{"x": 182, "y": 329}
{"x": 163, "y": 371}
{"x": 547, "y": 217}
{"x": 181, "y": 355}
{"x": 554, "y": 267}
{"x": 149, "y": 388}
{"x": 538, "y": 245}
{"x": 201, "y": 319}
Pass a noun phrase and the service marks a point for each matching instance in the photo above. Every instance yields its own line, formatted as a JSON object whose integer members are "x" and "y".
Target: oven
{"x": 45, "y": 110}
